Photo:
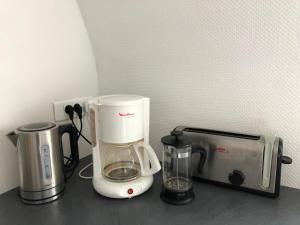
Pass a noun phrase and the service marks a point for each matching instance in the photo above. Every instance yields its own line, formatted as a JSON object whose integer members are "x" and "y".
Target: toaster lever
{"x": 267, "y": 160}
{"x": 286, "y": 160}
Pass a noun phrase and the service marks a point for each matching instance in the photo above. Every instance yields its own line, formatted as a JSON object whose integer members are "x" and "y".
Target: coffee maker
{"x": 123, "y": 160}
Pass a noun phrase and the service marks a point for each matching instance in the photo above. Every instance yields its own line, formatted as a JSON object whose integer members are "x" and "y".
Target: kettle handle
{"x": 149, "y": 158}
{"x": 73, "y": 137}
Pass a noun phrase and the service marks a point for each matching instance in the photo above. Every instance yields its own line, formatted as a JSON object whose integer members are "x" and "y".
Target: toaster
{"x": 246, "y": 162}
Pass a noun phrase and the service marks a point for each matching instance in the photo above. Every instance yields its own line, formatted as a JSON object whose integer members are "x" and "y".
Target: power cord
{"x": 67, "y": 164}
{"x": 78, "y": 109}
{"x": 82, "y": 170}
{"x": 70, "y": 111}
{"x": 79, "y": 132}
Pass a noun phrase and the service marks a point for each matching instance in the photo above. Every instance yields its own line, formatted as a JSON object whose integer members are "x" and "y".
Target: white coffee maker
{"x": 123, "y": 160}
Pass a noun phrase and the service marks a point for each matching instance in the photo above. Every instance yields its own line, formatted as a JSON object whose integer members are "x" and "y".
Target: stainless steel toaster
{"x": 246, "y": 162}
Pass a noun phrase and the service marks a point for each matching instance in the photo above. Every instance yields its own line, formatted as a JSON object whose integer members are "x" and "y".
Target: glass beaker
{"x": 120, "y": 162}
{"x": 177, "y": 168}
{"x": 128, "y": 161}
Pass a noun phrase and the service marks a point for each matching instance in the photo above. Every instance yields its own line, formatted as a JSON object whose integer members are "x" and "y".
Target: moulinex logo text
{"x": 126, "y": 114}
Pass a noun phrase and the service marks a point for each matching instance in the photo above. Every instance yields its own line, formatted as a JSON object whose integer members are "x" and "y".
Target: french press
{"x": 177, "y": 168}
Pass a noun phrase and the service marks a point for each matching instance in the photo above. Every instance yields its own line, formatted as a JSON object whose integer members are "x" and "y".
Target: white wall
{"x": 229, "y": 65}
{"x": 45, "y": 56}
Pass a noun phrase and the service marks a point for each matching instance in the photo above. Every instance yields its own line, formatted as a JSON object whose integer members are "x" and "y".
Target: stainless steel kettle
{"x": 41, "y": 160}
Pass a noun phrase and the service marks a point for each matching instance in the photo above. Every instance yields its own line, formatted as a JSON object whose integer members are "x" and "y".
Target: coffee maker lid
{"x": 177, "y": 140}
{"x": 120, "y": 99}
{"x": 36, "y": 127}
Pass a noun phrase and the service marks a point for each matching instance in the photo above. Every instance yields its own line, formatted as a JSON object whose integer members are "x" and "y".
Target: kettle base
{"x": 41, "y": 201}
{"x": 41, "y": 197}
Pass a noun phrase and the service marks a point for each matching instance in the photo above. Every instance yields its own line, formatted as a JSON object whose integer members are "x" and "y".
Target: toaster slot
{"x": 221, "y": 133}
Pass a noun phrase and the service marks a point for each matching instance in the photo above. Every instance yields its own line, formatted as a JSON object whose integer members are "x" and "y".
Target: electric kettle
{"x": 41, "y": 160}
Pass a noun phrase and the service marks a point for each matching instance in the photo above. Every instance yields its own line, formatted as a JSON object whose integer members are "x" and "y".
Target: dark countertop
{"x": 213, "y": 205}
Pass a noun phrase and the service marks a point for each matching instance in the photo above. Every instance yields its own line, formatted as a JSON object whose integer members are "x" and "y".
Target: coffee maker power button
{"x": 130, "y": 191}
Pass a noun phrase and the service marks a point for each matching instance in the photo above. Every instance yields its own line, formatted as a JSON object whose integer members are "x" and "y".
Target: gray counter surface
{"x": 213, "y": 205}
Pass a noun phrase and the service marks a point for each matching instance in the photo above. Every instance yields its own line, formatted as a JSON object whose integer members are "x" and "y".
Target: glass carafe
{"x": 126, "y": 162}
{"x": 120, "y": 162}
{"x": 177, "y": 168}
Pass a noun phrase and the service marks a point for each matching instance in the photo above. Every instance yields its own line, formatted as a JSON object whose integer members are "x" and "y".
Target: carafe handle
{"x": 149, "y": 158}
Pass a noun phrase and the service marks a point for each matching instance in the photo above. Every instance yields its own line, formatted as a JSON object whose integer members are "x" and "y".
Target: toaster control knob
{"x": 236, "y": 178}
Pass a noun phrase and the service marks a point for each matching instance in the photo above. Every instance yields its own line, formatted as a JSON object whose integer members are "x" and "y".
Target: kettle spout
{"x": 13, "y": 137}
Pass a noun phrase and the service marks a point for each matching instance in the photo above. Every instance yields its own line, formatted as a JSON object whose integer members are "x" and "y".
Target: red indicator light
{"x": 130, "y": 191}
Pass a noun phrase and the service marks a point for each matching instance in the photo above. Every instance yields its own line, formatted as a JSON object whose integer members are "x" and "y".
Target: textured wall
{"x": 45, "y": 56}
{"x": 228, "y": 65}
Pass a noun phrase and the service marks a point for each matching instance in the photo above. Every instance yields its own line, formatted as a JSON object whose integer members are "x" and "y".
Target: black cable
{"x": 79, "y": 132}
{"x": 81, "y": 126}
{"x": 69, "y": 160}
{"x": 70, "y": 111}
{"x": 78, "y": 109}
{"x": 70, "y": 174}
{"x": 67, "y": 163}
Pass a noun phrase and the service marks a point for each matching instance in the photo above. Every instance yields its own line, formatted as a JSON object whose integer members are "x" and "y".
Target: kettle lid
{"x": 177, "y": 140}
{"x": 36, "y": 126}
